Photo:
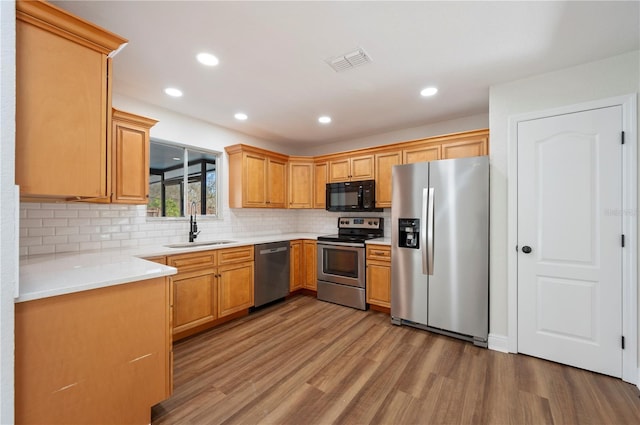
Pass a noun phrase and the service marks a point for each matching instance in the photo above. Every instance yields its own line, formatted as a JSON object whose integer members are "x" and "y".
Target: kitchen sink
{"x": 194, "y": 244}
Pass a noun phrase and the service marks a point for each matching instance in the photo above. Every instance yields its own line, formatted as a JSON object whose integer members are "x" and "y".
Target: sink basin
{"x": 194, "y": 244}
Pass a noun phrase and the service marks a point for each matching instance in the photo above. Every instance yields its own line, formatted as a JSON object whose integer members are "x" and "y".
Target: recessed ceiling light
{"x": 324, "y": 120}
{"x": 173, "y": 92}
{"x": 240, "y": 116}
{"x": 207, "y": 59}
{"x": 175, "y": 158}
{"x": 429, "y": 91}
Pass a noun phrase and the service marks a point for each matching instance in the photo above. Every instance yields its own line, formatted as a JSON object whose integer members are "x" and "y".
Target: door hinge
{"x": 623, "y": 241}
{"x": 622, "y": 342}
{"x": 622, "y": 138}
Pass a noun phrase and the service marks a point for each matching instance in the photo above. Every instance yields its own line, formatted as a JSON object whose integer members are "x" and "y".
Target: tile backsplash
{"x": 47, "y": 228}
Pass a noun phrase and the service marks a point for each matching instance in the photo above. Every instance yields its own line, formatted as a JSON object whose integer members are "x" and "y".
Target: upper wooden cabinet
{"x": 351, "y": 168}
{"x": 130, "y": 158}
{"x": 63, "y": 104}
{"x": 472, "y": 146}
{"x": 252, "y": 170}
{"x": 257, "y": 178}
{"x": 430, "y": 152}
{"x": 301, "y": 183}
{"x": 320, "y": 176}
{"x": 384, "y": 164}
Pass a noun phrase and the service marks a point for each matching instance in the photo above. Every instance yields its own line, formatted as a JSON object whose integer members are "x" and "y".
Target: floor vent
{"x": 349, "y": 60}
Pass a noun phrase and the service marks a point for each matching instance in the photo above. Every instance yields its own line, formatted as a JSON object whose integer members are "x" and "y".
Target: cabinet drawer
{"x": 193, "y": 260}
{"x": 235, "y": 255}
{"x": 379, "y": 252}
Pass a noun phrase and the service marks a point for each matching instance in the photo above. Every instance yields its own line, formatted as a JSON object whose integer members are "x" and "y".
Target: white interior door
{"x": 570, "y": 281}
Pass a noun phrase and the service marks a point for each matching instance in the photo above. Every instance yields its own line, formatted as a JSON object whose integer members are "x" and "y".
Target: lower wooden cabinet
{"x": 310, "y": 269}
{"x": 379, "y": 275}
{"x": 194, "y": 298}
{"x": 210, "y": 286}
{"x": 302, "y": 265}
{"x": 97, "y": 356}
{"x": 235, "y": 288}
{"x": 295, "y": 266}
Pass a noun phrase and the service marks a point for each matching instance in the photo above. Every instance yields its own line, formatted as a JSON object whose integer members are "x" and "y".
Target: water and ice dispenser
{"x": 409, "y": 233}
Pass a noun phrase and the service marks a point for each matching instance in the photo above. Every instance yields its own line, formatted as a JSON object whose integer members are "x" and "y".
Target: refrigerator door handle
{"x": 430, "y": 229}
{"x": 423, "y": 230}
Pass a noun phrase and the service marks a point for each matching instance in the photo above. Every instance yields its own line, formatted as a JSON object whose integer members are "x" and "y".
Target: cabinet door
{"x": 320, "y": 185}
{"x": 301, "y": 185}
{"x": 235, "y": 288}
{"x": 464, "y": 148}
{"x": 61, "y": 115}
{"x": 194, "y": 299}
{"x": 362, "y": 167}
{"x": 310, "y": 264}
{"x": 255, "y": 181}
{"x": 277, "y": 184}
{"x": 421, "y": 154}
{"x": 339, "y": 170}
{"x": 97, "y": 356}
{"x": 130, "y": 162}
{"x": 384, "y": 164}
{"x": 295, "y": 266}
{"x": 379, "y": 284}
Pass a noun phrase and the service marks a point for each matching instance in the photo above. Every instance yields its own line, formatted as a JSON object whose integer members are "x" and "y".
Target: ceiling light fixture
{"x": 240, "y": 116}
{"x": 429, "y": 91}
{"x": 324, "y": 119}
{"x": 173, "y": 92}
{"x": 207, "y": 59}
{"x": 175, "y": 158}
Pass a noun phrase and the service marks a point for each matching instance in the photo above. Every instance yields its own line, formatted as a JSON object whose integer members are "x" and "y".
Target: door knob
{"x": 526, "y": 249}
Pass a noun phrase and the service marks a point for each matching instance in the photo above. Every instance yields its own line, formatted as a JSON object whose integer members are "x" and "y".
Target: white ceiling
{"x": 272, "y": 57}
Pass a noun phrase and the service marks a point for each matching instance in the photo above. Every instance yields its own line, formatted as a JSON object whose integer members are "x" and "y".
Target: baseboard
{"x": 499, "y": 343}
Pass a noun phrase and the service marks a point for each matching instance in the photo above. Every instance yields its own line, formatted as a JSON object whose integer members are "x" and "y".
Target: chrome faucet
{"x": 193, "y": 225}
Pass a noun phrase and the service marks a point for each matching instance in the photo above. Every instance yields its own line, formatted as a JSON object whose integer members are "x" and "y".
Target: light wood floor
{"x": 309, "y": 362}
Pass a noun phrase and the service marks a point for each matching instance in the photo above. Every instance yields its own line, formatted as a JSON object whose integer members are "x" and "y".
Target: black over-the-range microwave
{"x": 352, "y": 196}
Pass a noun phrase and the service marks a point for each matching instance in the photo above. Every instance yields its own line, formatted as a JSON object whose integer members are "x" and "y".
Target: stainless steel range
{"x": 341, "y": 261}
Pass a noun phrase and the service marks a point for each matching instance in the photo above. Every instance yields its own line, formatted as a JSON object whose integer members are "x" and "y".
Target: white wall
{"x": 618, "y": 75}
{"x": 8, "y": 254}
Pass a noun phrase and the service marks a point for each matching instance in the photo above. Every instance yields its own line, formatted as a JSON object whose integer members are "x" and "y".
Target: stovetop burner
{"x": 356, "y": 230}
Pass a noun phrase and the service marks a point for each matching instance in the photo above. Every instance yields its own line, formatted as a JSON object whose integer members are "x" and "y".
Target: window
{"x": 182, "y": 181}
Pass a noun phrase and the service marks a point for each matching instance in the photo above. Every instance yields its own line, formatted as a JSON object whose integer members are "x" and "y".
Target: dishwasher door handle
{"x": 273, "y": 250}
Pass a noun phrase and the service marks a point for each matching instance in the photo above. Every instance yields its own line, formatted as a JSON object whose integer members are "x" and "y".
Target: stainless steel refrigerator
{"x": 440, "y": 247}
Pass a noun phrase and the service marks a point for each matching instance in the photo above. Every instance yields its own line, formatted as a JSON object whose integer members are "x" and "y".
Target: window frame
{"x": 184, "y": 180}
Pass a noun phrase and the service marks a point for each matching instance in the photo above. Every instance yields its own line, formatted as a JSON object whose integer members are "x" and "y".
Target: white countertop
{"x": 379, "y": 241}
{"x": 49, "y": 275}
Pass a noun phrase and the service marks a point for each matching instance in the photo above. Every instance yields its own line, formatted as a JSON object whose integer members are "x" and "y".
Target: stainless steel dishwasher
{"x": 271, "y": 273}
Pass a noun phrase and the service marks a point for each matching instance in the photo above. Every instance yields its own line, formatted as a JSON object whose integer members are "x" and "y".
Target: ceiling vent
{"x": 349, "y": 60}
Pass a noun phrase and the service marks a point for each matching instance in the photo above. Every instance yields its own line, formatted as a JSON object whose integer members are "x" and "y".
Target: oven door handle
{"x": 349, "y": 244}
